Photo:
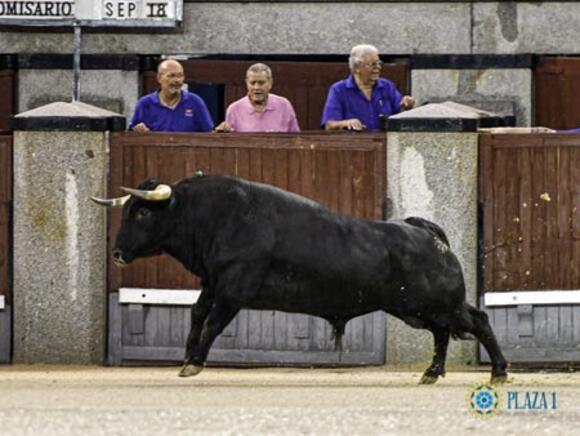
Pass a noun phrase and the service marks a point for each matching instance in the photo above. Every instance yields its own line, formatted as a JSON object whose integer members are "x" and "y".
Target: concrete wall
{"x": 505, "y": 91}
{"x": 59, "y": 245}
{"x": 114, "y": 90}
{"x": 319, "y": 27}
{"x": 434, "y": 175}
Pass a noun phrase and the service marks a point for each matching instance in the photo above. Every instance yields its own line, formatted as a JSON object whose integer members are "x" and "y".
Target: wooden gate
{"x": 557, "y": 86}
{"x": 6, "y": 97}
{"x": 5, "y": 245}
{"x": 345, "y": 172}
{"x": 305, "y": 84}
{"x": 530, "y": 192}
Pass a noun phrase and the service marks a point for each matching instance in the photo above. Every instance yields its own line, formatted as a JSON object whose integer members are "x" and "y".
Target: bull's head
{"x": 144, "y": 209}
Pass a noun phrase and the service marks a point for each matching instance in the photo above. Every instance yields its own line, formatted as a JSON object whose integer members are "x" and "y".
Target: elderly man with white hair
{"x": 361, "y": 100}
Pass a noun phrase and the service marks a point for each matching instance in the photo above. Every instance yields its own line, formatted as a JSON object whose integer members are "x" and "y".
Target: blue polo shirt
{"x": 569, "y": 131}
{"x": 190, "y": 114}
{"x": 345, "y": 100}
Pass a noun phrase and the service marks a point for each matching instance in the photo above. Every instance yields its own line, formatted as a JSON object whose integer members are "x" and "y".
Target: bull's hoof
{"x": 498, "y": 379}
{"x": 428, "y": 380}
{"x": 190, "y": 370}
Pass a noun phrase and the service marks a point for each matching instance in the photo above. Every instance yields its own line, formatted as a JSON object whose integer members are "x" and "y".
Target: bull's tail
{"x": 428, "y": 225}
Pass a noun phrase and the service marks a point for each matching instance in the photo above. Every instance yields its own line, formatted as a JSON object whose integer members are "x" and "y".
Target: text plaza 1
{"x": 531, "y": 400}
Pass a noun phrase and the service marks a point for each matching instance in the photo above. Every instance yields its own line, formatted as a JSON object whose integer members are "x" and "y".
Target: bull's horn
{"x": 162, "y": 192}
{"x": 111, "y": 202}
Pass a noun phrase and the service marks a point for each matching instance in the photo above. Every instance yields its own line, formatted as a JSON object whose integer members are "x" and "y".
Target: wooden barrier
{"x": 530, "y": 190}
{"x": 5, "y": 212}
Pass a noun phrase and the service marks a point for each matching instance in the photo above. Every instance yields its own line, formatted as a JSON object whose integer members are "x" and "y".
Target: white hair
{"x": 258, "y": 68}
{"x": 358, "y": 52}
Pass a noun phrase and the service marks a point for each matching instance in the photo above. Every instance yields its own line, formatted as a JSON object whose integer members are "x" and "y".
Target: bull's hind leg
{"x": 477, "y": 323}
{"x": 437, "y": 368}
{"x": 220, "y": 315}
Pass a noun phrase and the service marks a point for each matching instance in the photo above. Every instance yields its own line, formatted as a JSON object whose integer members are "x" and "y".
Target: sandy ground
{"x": 51, "y": 400}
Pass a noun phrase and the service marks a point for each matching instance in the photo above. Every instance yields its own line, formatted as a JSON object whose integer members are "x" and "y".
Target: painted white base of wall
{"x": 531, "y": 297}
{"x": 176, "y": 297}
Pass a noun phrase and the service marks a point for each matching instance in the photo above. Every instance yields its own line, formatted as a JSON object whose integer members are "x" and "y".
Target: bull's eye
{"x": 143, "y": 212}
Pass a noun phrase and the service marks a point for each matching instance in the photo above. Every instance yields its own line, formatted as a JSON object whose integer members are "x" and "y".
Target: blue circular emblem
{"x": 484, "y": 401}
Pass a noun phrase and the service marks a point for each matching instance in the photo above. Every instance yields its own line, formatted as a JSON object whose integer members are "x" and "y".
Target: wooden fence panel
{"x": 530, "y": 191}
{"x": 557, "y": 85}
{"x": 345, "y": 172}
{"x": 5, "y": 212}
{"x": 7, "y": 105}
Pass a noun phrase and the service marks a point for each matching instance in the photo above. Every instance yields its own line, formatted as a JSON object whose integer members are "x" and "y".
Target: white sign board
{"x": 92, "y": 13}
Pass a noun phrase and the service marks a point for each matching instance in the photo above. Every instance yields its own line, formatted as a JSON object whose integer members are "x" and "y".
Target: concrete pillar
{"x": 432, "y": 173}
{"x": 59, "y": 288}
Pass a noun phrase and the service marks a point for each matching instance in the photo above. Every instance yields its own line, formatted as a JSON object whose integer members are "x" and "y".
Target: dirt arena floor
{"x": 56, "y": 400}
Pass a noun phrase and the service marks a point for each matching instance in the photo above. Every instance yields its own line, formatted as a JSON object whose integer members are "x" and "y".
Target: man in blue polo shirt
{"x": 170, "y": 109}
{"x": 360, "y": 101}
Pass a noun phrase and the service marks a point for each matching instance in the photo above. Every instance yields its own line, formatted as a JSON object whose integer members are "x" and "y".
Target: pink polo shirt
{"x": 278, "y": 116}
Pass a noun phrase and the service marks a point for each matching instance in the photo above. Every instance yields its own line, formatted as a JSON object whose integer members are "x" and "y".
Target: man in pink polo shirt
{"x": 260, "y": 111}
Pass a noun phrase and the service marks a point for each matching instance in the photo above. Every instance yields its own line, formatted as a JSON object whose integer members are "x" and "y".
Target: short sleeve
{"x": 333, "y": 110}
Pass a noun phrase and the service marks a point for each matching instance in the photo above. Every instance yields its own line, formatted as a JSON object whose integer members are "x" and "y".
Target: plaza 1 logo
{"x": 485, "y": 401}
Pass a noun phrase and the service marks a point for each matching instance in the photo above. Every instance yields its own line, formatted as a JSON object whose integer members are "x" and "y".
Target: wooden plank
{"x": 538, "y": 233}
{"x": 552, "y": 277}
{"x": 566, "y": 328}
{"x": 5, "y": 214}
{"x": 523, "y": 219}
{"x": 486, "y": 196}
{"x": 576, "y": 324}
{"x": 114, "y": 330}
{"x": 507, "y": 224}
{"x": 333, "y": 180}
{"x": 116, "y": 168}
{"x": 541, "y": 337}
{"x": 344, "y": 187}
{"x": 5, "y": 334}
{"x": 176, "y": 317}
{"x": 7, "y": 102}
{"x": 267, "y": 317}
{"x": 163, "y": 328}
{"x": 241, "y": 341}
{"x": 500, "y": 326}
{"x": 556, "y": 85}
{"x": 128, "y": 338}
{"x": 280, "y": 178}
{"x": 512, "y": 333}
{"x": 575, "y": 215}
{"x": 552, "y": 325}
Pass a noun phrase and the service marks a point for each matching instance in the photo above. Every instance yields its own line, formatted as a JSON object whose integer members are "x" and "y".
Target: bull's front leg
{"x": 437, "y": 368}
{"x": 220, "y": 315}
{"x": 199, "y": 313}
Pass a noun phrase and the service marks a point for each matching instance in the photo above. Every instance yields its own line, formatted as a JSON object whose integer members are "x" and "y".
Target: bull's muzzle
{"x": 118, "y": 258}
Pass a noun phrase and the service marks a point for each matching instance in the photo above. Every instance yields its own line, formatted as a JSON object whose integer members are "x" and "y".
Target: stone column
{"x": 432, "y": 173}
{"x": 59, "y": 288}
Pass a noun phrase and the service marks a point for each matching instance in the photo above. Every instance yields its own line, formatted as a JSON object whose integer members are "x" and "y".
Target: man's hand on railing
{"x": 350, "y": 124}
{"x": 141, "y": 128}
{"x": 223, "y": 127}
{"x": 407, "y": 102}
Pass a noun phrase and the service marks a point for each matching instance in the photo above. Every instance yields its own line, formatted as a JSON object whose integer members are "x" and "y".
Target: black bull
{"x": 259, "y": 247}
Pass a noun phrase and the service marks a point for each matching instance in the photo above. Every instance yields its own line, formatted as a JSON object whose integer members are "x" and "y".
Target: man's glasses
{"x": 377, "y": 64}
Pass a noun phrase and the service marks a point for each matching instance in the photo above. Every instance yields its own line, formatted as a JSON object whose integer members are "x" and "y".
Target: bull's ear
{"x": 148, "y": 184}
